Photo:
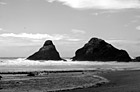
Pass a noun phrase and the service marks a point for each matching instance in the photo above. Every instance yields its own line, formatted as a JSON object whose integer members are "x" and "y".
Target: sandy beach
{"x": 120, "y": 81}
{"x": 69, "y": 76}
{"x": 69, "y": 45}
{"x": 73, "y": 81}
{"x": 52, "y": 81}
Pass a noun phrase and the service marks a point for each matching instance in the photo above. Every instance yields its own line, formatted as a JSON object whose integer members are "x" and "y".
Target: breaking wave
{"x": 22, "y": 64}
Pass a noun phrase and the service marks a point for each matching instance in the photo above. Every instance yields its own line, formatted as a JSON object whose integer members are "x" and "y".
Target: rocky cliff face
{"x": 99, "y": 50}
{"x": 47, "y": 52}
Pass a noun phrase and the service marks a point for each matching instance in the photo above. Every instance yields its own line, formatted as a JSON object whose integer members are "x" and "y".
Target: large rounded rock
{"x": 137, "y": 59}
{"x": 47, "y": 52}
{"x": 99, "y": 50}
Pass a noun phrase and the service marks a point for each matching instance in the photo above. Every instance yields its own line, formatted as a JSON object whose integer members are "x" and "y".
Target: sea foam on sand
{"x": 22, "y": 64}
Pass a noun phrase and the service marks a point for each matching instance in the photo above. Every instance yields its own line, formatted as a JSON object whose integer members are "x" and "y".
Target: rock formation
{"x": 99, "y": 50}
{"x": 137, "y": 59}
{"x": 47, "y": 52}
{"x": 0, "y": 77}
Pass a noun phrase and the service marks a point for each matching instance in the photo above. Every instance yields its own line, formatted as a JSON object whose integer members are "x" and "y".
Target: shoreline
{"x": 51, "y": 81}
{"x": 120, "y": 81}
{"x": 101, "y": 82}
{"x": 109, "y": 80}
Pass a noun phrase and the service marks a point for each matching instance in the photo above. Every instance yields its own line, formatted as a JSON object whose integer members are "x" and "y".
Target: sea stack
{"x": 137, "y": 59}
{"x": 99, "y": 50}
{"x": 47, "y": 52}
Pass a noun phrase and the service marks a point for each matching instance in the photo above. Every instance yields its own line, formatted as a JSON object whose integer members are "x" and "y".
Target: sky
{"x": 26, "y": 24}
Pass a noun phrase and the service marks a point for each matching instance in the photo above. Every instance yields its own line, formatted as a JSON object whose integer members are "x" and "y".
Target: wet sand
{"x": 120, "y": 81}
{"x": 44, "y": 82}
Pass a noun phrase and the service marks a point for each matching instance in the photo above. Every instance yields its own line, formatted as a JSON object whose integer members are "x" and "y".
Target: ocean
{"x": 16, "y": 64}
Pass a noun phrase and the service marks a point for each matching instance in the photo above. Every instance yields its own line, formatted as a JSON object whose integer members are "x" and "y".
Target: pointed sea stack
{"x": 99, "y": 50}
{"x": 47, "y": 52}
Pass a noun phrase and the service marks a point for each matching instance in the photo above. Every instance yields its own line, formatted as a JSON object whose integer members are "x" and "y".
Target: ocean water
{"x": 21, "y": 64}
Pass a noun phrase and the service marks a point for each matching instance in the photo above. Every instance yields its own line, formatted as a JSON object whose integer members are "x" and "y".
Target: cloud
{"x": 33, "y": 36}
{"x": 1, "y": 29}
{"x": 100, "y": 4}
{"x": 138, "y": 27}
{"x": 121, "y": 41}
{"x": 73, "y": 39}
{"x": 126, "y": 44}
{"x": 50, "y": 1}
{"x": 106, "y": 12}
{"x": 29, "y": 39}
{"x": 3, "y": 3}
{"x": 78, "y": 31}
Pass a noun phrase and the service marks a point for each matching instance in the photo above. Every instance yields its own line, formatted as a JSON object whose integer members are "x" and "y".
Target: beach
{"x": 69, "y": 45}
{"x": 120, "y": 81}
{"x": 48, "y": 81}
{"x": 62, "y": 76}
{"x": 73, "y": 81}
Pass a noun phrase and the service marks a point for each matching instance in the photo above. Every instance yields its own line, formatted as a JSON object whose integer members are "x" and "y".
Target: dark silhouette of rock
{"x": 33, "y": 74}
{"x": 0, "y": 77}
{"x": 47, "y": 52}
{"x": 99, "y": 50}
{"x": 137, "y": 59}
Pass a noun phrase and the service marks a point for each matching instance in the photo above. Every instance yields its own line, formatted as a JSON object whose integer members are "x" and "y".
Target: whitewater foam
{"x": 22, "y": 64}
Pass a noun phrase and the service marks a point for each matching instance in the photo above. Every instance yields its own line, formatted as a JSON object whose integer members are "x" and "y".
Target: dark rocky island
{"x": 137, "y": 59}
{"x": 47, "y": 52}
{"x": 99, "y": 50}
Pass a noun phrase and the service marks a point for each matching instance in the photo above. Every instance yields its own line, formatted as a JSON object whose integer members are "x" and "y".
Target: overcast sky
{"x": 26, "y": 24}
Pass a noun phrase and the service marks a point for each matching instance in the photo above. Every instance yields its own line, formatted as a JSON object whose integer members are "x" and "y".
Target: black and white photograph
{"x": 69, "y": 45}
